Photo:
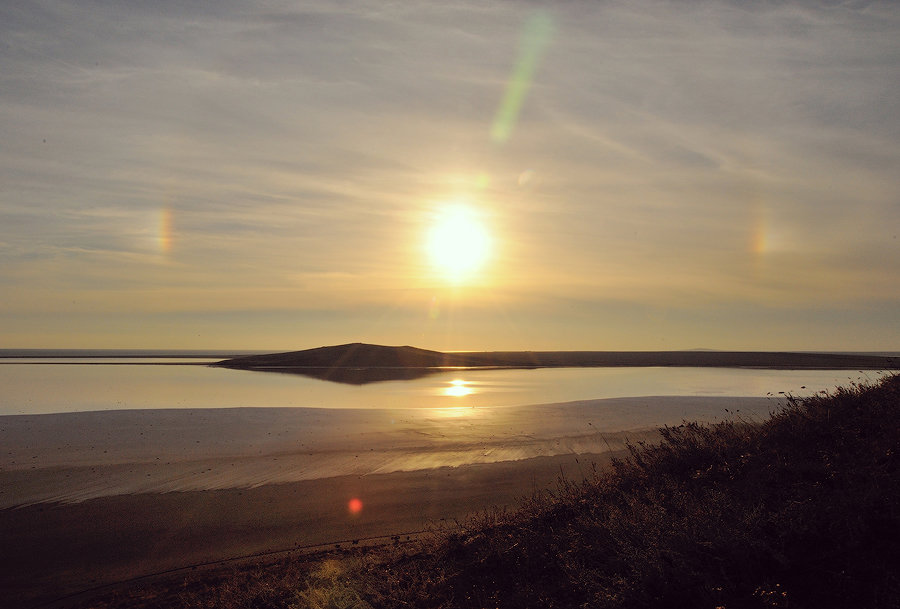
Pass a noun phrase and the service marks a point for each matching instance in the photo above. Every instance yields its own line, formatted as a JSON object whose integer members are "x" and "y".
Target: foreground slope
{"x": 801, "y": 511}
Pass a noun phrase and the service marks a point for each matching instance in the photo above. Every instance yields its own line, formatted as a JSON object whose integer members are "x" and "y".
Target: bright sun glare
{"x": 458, "y": 243}
{"x": 457, "y": 389}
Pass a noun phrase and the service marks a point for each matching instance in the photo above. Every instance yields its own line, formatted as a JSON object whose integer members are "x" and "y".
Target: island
{"x": 360, "y": 363}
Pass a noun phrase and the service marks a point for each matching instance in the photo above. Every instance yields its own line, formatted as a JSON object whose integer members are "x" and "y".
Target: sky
{"x": 642, "y": 174}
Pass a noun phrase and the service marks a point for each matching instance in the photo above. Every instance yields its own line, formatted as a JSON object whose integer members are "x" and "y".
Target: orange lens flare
{"x": 354, "y": 506}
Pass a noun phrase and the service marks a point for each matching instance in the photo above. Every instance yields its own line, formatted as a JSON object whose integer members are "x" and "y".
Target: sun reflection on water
{"x": 458, "y": 388}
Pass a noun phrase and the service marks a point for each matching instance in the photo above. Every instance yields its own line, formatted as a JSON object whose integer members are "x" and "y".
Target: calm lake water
{"x": 39, "y": 386}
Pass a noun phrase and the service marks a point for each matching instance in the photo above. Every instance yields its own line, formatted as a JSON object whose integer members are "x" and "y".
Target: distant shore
{"x": 406, "y": 358}
{"x": 214, "y": 354}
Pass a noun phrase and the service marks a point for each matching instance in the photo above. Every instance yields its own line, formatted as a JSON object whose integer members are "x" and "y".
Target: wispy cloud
{"x": 158, "y": 155}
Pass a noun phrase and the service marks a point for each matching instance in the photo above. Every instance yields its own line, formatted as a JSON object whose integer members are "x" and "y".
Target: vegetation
{"x": 802, "y": 510}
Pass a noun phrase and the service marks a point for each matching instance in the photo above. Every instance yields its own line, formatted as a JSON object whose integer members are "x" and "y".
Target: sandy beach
{"x": 94, "y": 498}
{"x": 54, "y": 550}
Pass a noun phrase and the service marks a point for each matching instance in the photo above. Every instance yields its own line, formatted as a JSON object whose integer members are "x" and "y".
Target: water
{"x": 168, "y": 425}
{"x": 38, "y": 386}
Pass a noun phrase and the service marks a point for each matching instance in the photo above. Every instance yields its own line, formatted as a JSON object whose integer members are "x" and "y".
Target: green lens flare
{"x": 535, "y": 38}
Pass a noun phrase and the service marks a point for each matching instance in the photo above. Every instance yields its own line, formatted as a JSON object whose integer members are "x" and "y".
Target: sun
{"x": 458, "y": 243}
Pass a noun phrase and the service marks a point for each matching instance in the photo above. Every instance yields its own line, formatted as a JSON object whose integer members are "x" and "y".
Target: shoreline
{"x": 74, "y": 457}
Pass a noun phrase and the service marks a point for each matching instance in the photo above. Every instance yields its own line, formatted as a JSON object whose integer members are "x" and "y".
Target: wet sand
{"x": 53, "y": 550}
{"x": 95, "y": 498}
{"x": 78, "y": 456}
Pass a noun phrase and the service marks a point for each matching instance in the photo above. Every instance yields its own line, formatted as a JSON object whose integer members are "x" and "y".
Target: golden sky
{"x": 638, "y": 175}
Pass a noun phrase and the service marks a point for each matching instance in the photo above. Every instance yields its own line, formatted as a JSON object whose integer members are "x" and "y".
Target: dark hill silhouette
{"x": 353, "y": 355}
{"x": 337, "y": 362}
{"x": 357, "y": 376}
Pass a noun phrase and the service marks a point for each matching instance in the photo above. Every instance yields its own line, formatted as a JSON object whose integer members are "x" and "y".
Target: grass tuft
{"x": 329, "y": 588}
